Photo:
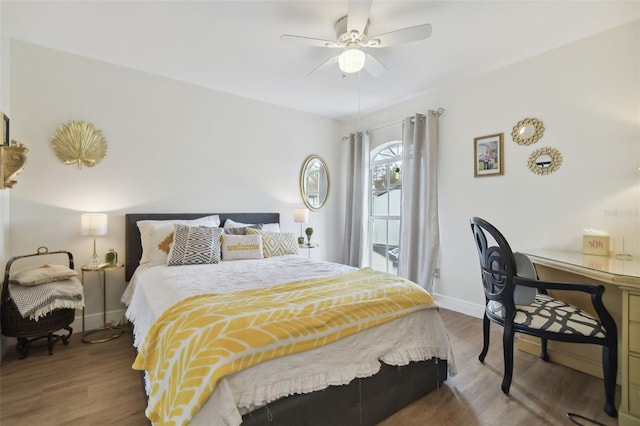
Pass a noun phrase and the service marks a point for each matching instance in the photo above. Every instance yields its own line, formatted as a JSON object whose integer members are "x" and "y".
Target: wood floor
{"x": 93, "y": 384}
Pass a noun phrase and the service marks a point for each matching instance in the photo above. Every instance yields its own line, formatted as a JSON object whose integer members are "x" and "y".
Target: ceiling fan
{"x": 351, "y": 37}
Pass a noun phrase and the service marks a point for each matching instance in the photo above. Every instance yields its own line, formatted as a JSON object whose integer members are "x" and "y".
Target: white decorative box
{"x": 595, "y": 244}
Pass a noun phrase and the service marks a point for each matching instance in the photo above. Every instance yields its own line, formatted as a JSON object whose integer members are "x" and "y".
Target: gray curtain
{"x": 357, "y": 211}
{"x": 419, "y": 229}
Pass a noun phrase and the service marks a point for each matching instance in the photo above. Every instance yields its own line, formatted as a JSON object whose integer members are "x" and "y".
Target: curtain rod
{"x": 438, "y": 112}
{"x": 386, "y": 127}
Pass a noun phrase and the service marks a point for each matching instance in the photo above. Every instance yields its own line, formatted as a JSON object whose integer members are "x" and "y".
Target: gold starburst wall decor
{"x": 79, "y": 142}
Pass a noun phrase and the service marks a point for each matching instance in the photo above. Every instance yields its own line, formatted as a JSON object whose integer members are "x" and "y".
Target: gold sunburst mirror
{"x": 79, "y": 142}
{"x": 527, "y": 131}
{"x": 544, "y": 161}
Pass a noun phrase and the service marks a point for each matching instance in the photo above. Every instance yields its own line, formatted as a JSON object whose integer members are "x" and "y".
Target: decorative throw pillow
{"x": 157, "y": 235}
{"x": 523, "y": 295}
{"x": 269, "y": 227}
{"x": 228, "y": 224}
{"x": 276, "y": 243}
{"x": 42, "y": 274}
{"x": 236, "y": 247}
{"x": 195, "y": 245}
{"x": 240, "y": 230}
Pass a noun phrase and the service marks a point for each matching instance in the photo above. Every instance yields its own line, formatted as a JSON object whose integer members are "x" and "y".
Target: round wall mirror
{"x": 527, "y": 131}
{"x": 544, "y": 161}
{"x": 314, "y": 182}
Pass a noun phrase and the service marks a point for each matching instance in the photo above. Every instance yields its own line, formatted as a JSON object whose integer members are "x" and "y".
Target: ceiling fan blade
{"x": 358, "y": 15}
{"x": 326, "y": 64}
{"x": 308, "y": 41}
{"x": 405, "y": 35}
{"x": 373, "y": 66}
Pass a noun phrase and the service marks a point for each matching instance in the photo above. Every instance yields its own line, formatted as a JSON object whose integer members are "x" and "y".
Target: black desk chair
{"x": 544, "y": 317}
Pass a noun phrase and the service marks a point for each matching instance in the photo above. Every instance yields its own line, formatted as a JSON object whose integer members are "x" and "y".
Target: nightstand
{"x": 308, "y": 247}
{"x": 101, "y": 270}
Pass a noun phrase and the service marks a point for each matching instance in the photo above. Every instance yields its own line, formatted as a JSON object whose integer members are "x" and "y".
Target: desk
{"x": 621, "y": 297}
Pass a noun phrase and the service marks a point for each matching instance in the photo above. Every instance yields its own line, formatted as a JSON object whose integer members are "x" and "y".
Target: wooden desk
{"x": 621, "y": 297}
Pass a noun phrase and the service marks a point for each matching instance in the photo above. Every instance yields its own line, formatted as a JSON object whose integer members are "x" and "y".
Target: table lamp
{"x": 301, "y": 216}
{"x": 94, "y": 224}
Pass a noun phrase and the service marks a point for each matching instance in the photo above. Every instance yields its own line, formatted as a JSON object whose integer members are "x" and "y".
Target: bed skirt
{"x": 362, "y": 402}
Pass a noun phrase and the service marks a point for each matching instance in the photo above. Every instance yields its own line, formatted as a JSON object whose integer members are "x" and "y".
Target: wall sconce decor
{"x": 13, "y": 156}
{"x": 79, "y": 142}
{"x": 12, "y": 161}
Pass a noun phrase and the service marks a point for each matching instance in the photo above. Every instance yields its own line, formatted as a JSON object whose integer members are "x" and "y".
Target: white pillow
{"x": 236, "y": 247}
{"x": 157, "y": 235}
{"x": 269, "y": 227}
{"x": 35, "y": 275}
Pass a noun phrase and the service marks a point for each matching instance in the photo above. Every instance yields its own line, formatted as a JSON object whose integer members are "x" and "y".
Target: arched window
{"x": 385, "y": 203}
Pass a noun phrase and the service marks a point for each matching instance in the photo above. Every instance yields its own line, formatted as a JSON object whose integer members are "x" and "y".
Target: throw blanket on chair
{"x": 206, "y": 337}
{"x": 38, "y": 300}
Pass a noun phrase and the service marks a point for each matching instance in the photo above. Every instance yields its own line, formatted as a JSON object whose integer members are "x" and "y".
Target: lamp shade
{"x": 351, "y": 60}
{"x": 93, "y": 224}
{"x": 301, "y": 215}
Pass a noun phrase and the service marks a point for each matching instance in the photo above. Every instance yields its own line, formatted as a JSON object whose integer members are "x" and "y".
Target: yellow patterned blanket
{"x": 206, "y": 337}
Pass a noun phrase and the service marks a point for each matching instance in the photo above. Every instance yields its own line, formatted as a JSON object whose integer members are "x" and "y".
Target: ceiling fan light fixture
{"x": 351, "y": 60}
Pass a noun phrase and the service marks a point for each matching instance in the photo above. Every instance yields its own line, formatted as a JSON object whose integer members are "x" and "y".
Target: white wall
{"x": 4, "y": 194}
{"x": 177, "y": 147}
{"x": 587, "y": 94}
{"x": 172, "y": 147}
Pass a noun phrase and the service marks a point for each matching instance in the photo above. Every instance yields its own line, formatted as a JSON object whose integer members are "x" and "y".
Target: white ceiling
{"x": 234, "y": 46}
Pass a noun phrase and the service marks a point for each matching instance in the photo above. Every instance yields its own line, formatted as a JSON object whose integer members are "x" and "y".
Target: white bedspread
{"x": 416, "y": 337}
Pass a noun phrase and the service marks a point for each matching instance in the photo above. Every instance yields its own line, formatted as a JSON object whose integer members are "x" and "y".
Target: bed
{"x": 338, "y": 383}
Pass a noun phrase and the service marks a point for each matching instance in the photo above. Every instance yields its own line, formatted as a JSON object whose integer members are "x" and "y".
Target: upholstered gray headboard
{"x": 133, "y": 245}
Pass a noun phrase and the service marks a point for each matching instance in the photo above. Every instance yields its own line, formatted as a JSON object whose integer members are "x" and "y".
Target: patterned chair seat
{"x": 549, "y": 314}
{"x": 505, "y": 274}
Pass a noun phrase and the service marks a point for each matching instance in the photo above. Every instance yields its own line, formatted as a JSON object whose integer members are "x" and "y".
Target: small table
{"x": 115, "y": 332}
{"x": 308, "y": 246}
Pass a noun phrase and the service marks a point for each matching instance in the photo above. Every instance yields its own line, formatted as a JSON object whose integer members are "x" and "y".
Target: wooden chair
{"x": 545, "y": 317}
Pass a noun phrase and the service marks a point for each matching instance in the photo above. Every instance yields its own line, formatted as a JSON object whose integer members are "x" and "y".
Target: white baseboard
{"x": 457, "y": 305}
{"x": 95, "y": 321}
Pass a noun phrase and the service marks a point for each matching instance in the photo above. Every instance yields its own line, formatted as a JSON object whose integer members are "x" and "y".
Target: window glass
{"x": 385, "y": 203}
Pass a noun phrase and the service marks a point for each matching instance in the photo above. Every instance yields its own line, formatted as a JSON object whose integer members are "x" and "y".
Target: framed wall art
{"x": 5, "y": 129}
{"x": 488, "y": 155}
